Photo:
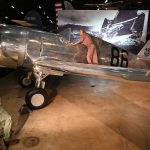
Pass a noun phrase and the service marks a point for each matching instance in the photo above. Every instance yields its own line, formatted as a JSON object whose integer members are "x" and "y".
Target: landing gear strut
{"x": 38, "y": 97}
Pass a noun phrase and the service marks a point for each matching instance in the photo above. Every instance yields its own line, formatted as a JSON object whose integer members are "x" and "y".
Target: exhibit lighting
{"x": 22, "y": 12}
{"x": 34, "y": 41}
{"x": 7, "y": 32}
{"x": 40, "y": 7}
{"x": 44, "y": 12}
{"x": 51, "y": 21}
{"x": 3, "y": 24}
{"x": 6, "y": 17}
{"x": 47, "y": 17}
{"x": 12, "y": 6}
{"x": 50, "y": 44}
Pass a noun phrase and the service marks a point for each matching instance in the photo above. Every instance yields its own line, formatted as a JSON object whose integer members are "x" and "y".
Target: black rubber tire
{"x": 31, "y": 93}
{"x": 21, "y": 78}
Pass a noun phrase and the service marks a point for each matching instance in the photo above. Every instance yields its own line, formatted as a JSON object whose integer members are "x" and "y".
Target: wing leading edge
{"x": 61, "y": 68}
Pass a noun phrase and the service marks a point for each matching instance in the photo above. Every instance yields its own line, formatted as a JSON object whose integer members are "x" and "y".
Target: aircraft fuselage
{"x": 21, "y": 47}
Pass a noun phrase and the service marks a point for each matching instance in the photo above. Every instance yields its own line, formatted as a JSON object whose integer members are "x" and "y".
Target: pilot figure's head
{"x": 82, "y": 31}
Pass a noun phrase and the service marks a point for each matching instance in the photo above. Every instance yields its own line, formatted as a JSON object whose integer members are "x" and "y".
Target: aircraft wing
{"x": 57, "y": 67}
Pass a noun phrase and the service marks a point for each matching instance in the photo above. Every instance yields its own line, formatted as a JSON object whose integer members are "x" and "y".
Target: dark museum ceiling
{"x": 20, "y": 9}
{"x": 12, "y": 11}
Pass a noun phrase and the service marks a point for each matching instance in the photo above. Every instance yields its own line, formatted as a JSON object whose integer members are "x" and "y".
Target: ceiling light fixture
{"x": 12, "y": 6}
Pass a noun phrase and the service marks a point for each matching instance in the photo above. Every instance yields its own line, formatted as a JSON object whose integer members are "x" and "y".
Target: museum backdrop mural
{"x": 126, "y": 29}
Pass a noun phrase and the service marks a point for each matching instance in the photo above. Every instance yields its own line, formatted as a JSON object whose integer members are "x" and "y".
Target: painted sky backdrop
{"x": 124, "y": 28}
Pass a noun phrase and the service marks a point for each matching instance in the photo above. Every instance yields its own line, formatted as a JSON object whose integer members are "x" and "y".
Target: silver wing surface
{"x": 59, "y": 68}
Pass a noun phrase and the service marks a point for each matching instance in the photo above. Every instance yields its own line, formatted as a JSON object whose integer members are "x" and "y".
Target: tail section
{"x": 144, "y": 54}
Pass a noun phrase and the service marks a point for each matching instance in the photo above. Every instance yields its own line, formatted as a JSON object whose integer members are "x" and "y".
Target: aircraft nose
{"x": 8, "y": 57}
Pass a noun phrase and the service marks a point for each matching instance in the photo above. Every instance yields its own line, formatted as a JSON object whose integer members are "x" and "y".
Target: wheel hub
{"x": 26, "y": 81}
{"x": 37, "y": 100}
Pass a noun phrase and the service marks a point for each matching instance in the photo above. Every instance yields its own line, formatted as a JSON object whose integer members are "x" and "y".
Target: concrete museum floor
{"x": 86, "y": 114}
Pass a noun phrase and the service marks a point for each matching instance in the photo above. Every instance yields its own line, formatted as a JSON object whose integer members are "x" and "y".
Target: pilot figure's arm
{"x": 80, "y": 40}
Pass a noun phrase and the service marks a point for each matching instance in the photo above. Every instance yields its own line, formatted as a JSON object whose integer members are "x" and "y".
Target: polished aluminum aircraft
{"x": 42, "y": 54}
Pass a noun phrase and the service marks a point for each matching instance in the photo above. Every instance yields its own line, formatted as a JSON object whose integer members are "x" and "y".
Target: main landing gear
{"x": 37, "y": 97}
